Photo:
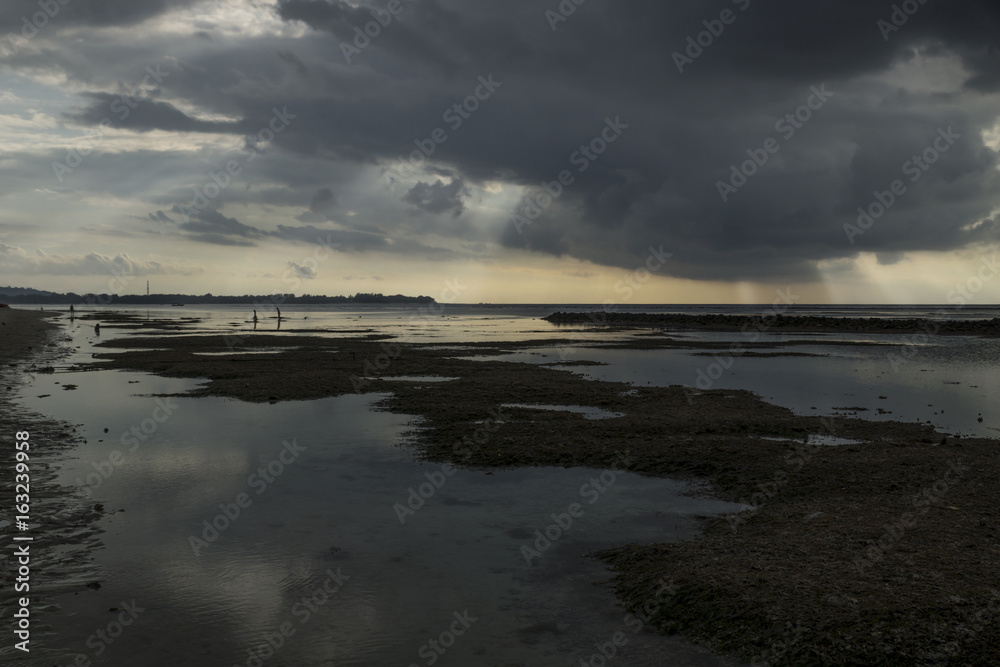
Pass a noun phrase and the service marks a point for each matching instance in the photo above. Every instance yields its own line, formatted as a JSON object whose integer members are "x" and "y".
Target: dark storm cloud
{"x": 322, "y": 204}
{"x": 160, "y": 216}
{"x": 657, "y": 182}
{"x": 438, "y": 198}
{"x": 354, "y": 241}
{"x": 82, "y": 12}
{"x": 143, "y": 115}
{"x": 293, "y": 60}
{"x": 344, "y": 240}
{"x": 323, "y": 200}
{"x": 210, "y": 226}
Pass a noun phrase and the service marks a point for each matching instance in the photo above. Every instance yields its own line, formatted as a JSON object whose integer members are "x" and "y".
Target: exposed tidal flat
{"x": 63, "y": 529}
{"x": 759, "y": 529}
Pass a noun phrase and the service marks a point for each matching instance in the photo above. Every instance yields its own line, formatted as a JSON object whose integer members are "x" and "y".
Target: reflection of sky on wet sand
{"x": 949, "y": 381}
{"x": 330, "y": 509}
{"x": 588, "y": 412}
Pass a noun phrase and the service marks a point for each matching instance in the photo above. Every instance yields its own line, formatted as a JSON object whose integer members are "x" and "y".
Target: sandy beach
{"x": 882, "y": 550}
{"x": 63, "y": 526}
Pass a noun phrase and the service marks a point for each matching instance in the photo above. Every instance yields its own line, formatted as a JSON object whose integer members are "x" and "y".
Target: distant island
{"x": 23, "y": 295}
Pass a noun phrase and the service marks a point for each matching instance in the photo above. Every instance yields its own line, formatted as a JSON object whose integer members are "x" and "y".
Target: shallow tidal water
{"x": 345, "y": 550}
{"x": 949, "y": 382}
{"x": 349, "y": 552}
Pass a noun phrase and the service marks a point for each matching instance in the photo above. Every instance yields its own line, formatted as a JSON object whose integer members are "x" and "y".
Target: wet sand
{"x": 62, "y": 524}
{"x": 878, "y": 552}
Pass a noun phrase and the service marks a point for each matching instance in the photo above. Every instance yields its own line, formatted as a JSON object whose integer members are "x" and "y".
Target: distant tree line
{"x": 168, "y": 299}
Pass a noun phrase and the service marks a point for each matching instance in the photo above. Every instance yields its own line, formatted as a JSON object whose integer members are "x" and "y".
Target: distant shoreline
{"x": 259, "y": 300}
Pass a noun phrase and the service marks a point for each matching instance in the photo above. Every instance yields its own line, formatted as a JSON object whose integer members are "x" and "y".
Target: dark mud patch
{"x": 579, "y": 362}
{"x": 762, "y": 355}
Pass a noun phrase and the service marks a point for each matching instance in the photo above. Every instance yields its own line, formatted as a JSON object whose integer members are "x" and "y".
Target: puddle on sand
{"x": 271, "y": 350}
{"x": 819, "y": 439}
{"x": 949, "y": 383}
{"x": 587, "y": 412}
{"x": 831, "y": 441}
{"x": 412, "y": 545}
{"x": 412, "y": 378}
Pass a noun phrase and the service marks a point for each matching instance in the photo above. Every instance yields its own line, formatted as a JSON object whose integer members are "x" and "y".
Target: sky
{"x": 545, "y": 151}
